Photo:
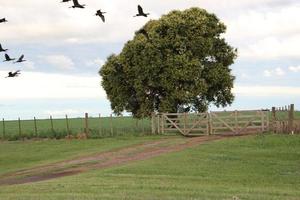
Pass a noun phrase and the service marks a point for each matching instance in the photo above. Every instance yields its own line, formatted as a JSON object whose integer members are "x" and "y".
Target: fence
{"x": 92, "y": 127}
{"x": 211, "y": 123}
{"x": 283, "y": 120}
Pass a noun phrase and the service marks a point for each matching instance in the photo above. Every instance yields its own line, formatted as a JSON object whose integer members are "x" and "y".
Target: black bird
{"x": 13, "y": 74}
{"x": 141, "y": 12}
{"x": 7, "y": 58}
{"x": 20, "y": 59}
{"x": 100, "y": 14}
{"x": 77, "y": 5}
{"x": 3, "y": 20}
{"x": 63, "y": 1}
{"x": 144, "y": 32}
{"x": 1, "y": 49}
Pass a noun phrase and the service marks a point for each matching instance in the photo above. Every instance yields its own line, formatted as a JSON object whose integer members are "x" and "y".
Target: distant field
{"x": 262, "y": 167}
{"x": 99, "y": 127}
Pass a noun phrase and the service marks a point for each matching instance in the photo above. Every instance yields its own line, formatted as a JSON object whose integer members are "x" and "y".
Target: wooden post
{"x": 184, "y": 123}
{"x": 153, "y": 123}
{"x": 51, "y": 123}
{"x": 291, "y": 119}
{"x": 162, "y": 123}
{"x": 68, "y": 127}
{"x": 158, "y": 124}
{"x": 236, "y": 121}
{"x": 100, "y": 130}
{"x": 3, "y": 128}
{"x": 111, "y": 125}
{"x": 262, "y": 121}
{"x": 208, "y": 123}
{"x": 273, "y": 113}
{"x": 20, "y": 129}
{"x": 86, "y": 124}
{"x": 143, "y": 126}
{"x": 268, "y": 120}
{"x": 35, "y": 127}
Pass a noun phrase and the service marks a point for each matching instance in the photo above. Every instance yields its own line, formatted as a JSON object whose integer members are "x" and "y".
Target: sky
{"x": 66, "y": 47}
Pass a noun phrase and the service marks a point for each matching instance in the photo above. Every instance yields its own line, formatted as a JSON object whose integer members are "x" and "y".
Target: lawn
{"x": 18, "y": 154}
{"x": 255, "y": 167}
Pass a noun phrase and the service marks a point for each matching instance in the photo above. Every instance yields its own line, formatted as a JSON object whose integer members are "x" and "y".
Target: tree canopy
{"x": 179, "y": 63}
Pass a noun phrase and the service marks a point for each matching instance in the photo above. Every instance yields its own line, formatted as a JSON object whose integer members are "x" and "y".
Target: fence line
{"x": 92, "y": 127}
{"x": 284, "y": 121}
{"x": 281, "y": 120}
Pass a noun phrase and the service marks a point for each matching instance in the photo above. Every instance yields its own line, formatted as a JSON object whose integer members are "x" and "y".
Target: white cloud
{"x": 29, "y": 65}
{"x": 52, "y": 20}
{"x": 36, "y": 85}
{"x": 59, "y": 61}
{"x": 267, "y": 73}
{"x": 60, "y": 113}
{"x": 263, "y": 91}
{"x": 260, "y": 23}
{"x": 294, "y": 68}
{"x": 272, "y": 48}
{"x": 98, "y": 62}
{"x": 274, "y": 72}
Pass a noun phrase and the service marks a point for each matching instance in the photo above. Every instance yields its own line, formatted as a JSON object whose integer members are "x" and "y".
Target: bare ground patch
{"x": 105, "y": 159}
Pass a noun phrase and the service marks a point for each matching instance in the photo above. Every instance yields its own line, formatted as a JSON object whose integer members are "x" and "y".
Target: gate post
{"x": 153, "y": 123}
{"x": 236, "y": 121}
{"x": 184, "y": 123}
{"x": 162, "y": 123}
{"x": 209, "y": 124}
{"x": 291, "y": 118}
{"x": 262, "y": 121}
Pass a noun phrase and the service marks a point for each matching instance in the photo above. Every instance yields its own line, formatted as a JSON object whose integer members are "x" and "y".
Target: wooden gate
{"x": 196, "y": 124}
{"x": 186, "y": 124}
{"x": 239, "y": 122}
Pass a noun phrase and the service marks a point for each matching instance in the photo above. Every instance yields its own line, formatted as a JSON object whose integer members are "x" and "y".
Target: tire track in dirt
{"x": 105, "y": 160}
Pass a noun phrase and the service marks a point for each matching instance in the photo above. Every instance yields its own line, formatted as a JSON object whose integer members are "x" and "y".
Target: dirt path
{"x": 105, "y": 159}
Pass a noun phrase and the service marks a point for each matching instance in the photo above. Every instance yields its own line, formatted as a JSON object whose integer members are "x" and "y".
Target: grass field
{"x": 103, "y": 127}
{"x": 262, "y": 167}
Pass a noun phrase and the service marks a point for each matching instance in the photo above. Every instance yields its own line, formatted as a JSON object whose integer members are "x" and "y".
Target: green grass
{"x": 262, "y": 167}
{"x": 99, "y": 128}
{"x": 18, "y": 155}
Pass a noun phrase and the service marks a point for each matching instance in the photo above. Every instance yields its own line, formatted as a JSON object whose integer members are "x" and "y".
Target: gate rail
{"x": 195, "y": 124}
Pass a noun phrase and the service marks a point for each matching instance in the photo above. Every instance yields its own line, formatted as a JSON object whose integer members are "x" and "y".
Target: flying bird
{"x": 77, "y": 5}
{"x": 63, "y": 1}
{"x": 7, "y": 58}
{"x": 3, "y": 20}
{"x": 13, "y": 74}
{"x": 20, "y": 59}
{"x": 1, "y": 49}
{"x": 141, "y": 12}
{"x": 100, "y": 14}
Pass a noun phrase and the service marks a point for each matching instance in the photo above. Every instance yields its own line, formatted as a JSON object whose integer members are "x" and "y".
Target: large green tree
{"x": 179, "y": 63}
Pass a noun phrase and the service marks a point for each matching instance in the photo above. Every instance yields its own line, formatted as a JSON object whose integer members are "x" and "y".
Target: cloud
{"x": 29, "y": 65}
{"x": 36, "y": 85}
{"x": 294, "y": 69}
{"x": 261, "y": 23}
{"x": 98, "y": 62}
{"x": 50, "y": 20}
{"x": 59, "y": 61}
{"x": 61, "y": 113}
{"x": 274, "y": 72}
{"x": 272, "y": 48}
{"x": 263, "y": 91}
